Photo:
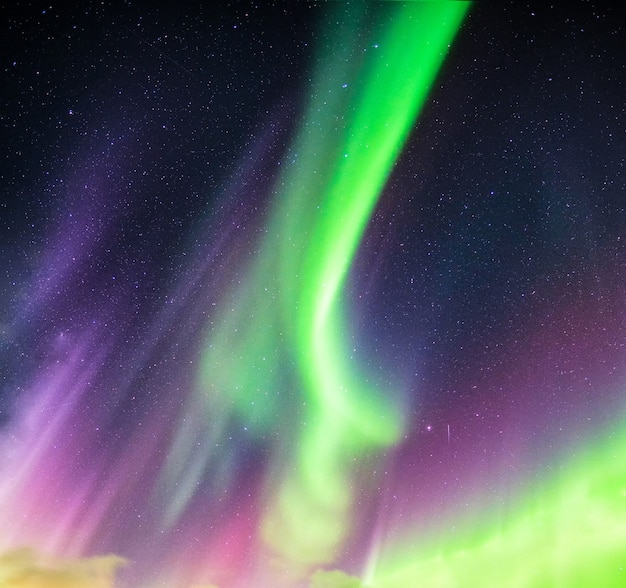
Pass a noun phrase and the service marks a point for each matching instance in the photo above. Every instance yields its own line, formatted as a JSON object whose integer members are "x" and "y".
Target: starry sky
{"x": 315, "y": 294}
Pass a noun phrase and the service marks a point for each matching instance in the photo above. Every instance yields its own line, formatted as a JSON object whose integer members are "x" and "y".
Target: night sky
{"x": 323, "y": 294}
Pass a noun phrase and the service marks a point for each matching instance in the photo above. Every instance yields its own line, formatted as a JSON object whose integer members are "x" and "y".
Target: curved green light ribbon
{"x": 278, "y": 359}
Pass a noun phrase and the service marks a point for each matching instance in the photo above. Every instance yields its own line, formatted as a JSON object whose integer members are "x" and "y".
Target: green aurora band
{"x": 569, "y": 532}
{"x": 279, "y": 359}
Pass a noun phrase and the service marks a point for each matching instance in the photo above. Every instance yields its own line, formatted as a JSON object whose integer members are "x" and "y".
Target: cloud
{"x": 334, "y": 579}
{"x": 25, "y": 568}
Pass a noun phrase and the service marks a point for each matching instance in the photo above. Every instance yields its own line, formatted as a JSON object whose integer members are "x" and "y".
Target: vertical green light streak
{"x": 279, "y": 357}
{"x": 392, "y": 90}
{"x": 343, "y": 171}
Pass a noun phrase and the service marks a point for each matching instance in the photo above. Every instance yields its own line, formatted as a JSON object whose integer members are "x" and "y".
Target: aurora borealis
{"x": 318, "y": 294}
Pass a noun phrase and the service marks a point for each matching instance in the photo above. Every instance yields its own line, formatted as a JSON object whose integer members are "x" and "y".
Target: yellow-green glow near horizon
{"x": 285, "y": 334}
{"x": 568, "y": 533}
